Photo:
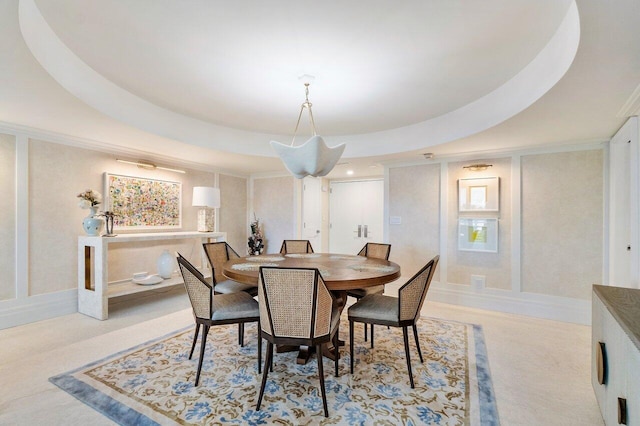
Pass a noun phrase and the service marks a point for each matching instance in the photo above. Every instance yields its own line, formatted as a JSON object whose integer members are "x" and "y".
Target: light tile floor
{"x": 540, "y": 368}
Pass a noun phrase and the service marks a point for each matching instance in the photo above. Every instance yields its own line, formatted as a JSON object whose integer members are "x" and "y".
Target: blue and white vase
{"x": 92, "y": 225}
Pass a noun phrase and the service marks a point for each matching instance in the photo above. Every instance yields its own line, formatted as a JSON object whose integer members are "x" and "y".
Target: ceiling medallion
{"x": 312, "y": 158}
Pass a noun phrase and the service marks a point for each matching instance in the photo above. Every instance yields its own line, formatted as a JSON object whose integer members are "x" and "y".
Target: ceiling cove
{"x": 502, "y": 102}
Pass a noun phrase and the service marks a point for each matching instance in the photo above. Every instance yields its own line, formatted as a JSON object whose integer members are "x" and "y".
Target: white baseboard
{"x": 36, "y": 308}
{"x": 16, "y": 312}
{"x": 530, "y": 304}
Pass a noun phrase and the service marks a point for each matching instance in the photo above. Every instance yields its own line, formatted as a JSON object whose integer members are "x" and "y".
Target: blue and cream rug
{"x": 152, "y": 383}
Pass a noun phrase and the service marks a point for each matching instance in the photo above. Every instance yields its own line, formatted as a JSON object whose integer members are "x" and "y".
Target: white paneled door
{"x": 356, "y": 212}
{"x": 624, "y": 206}
{"x": 312, "y": 212}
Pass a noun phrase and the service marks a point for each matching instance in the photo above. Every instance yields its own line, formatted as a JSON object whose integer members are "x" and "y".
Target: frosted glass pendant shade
{"x": 312, "y": 158}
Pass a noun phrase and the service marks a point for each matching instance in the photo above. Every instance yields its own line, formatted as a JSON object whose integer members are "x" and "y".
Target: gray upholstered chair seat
{"x": 362, "y": 292}
{"x": 402, "y": 311}
{"x": 376, "y": 307}
{"x": 234, "y": 306}
{"x": 211, "y": 309}
{"x": 374, "y": 251}
{"x": 230, "y": 286}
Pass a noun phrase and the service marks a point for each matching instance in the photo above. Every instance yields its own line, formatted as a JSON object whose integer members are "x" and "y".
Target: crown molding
{"x": 107, "y": 148}
{"x": 632, "y": 106}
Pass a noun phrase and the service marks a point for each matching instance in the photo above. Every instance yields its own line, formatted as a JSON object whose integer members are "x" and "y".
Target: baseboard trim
{"x": 16, "y": 312}
{"x": 555, "y": 308}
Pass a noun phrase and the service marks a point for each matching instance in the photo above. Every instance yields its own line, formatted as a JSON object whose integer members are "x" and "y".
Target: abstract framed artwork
{"x": 478, "y": 234}
{"x": 479, "y": 194}
{"x": 143, "y": 203}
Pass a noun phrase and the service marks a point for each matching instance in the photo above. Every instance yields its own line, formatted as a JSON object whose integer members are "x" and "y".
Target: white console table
{"x": 94, "y": 289}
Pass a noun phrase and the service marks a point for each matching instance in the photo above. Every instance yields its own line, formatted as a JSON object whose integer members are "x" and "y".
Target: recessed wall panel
{"x": 562, "y": 223}
{"x": 273, "y": 205}
{"x": 233, "y": 213}
{"x": 414, "y": 201}
{"x": 7, "y": 216}
{"x": 494, "y": 267}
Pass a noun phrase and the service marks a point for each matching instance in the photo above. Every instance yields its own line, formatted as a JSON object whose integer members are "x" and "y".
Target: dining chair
{"x": 218, "y": 253}
{"x": 296, "y": 246}
{"x": 296, "y": 308}
{"x": 375, "y": 251}
{"x": 402, "y": 311}
{"x": 210, "y": 309}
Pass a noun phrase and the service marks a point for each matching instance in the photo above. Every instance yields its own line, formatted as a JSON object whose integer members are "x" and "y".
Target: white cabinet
{"x": 94, "y": 289}
{"x": 616, "y": 329}
{"x": 633, "y": 385}
{"x": 624, "y": 206}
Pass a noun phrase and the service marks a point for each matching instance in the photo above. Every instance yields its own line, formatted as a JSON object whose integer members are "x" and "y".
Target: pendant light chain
{"x": 305, "y": 104}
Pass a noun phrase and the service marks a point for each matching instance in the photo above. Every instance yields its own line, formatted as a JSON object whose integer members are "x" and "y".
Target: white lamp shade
{"x": 206, "y": 196}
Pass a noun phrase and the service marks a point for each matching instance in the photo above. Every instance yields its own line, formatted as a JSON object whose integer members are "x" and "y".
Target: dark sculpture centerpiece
{"x": 256, "y": 245}
{"x": 108, "y": 218}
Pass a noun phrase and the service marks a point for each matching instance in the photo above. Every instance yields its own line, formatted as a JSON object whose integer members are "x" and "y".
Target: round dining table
{"x": 340, "y": 272}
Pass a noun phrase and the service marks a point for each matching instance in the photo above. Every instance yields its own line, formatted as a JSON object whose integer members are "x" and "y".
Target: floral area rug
{"x": 153, "y": 382}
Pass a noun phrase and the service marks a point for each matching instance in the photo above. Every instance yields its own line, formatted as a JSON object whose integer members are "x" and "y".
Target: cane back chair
{"x": 402, "y": 311}
{"x": 296, "y": 246}
{"x": 210, "y": 309}
{"x": 218, "y": 253}
{"x": 375, "y": 251}
{"x": 296, "y": 308}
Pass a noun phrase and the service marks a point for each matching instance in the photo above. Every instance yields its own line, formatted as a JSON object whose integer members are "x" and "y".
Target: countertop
{"x": 624, "y": 305}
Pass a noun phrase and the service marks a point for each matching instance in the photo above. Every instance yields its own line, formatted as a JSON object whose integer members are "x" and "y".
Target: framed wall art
{"x": 142, "y": 203}
{"x": 479, "y": 194}
{"x": 478, "y": 234}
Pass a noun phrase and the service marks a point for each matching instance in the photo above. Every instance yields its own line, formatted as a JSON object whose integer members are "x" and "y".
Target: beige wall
{"x": 7, "y": 216}
{"x": 414, "y": 196}
{"x": 233, "y": 211}
{"x": 495, "y": 267}
{"x": 57, "y": 173}
{"x": 562, "y": 223}
{"x": 273, "y": 204}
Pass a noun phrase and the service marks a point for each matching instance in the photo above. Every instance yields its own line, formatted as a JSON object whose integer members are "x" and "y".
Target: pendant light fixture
{"x": 314, "y": 157}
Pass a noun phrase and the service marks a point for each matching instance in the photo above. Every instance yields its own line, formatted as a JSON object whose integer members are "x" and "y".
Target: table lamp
{"x": 207, "y": 198}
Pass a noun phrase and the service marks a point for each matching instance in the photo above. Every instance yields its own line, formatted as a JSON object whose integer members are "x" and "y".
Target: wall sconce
{"x": 147, "y": 165}
{"x": 208, "y": 199}
{"x": 477, "y": 167}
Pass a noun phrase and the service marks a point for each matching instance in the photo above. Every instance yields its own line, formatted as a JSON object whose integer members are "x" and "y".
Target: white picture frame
{"x": 143, "y": 203}
{"x": 479, "y": 194}
{"x": 478, "y": 234}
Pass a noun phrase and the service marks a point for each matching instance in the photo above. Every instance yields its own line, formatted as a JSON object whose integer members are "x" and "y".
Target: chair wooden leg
{"x": 202, "y": 348}
{"x": 405, "y": 334}
{"x": 321, "y": 376}
{"x": 415, "y": 335}
{"x": 265, "y": 373}
{"x": 371, "y": 336}
{"x": 195, "y": 338}
{"x": 351, "y": 346}
{"x": 241, "y": 334}
{"x": 336, "y": 346}
{"x": 259, "y": 349}
{"x": 365, "y": 331}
